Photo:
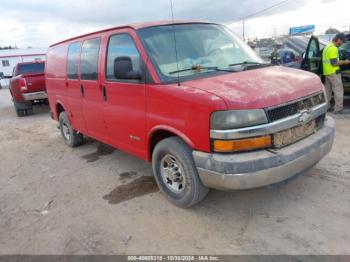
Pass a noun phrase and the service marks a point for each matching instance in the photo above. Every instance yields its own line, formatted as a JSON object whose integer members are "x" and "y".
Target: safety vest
{"x": 329, "y": 53}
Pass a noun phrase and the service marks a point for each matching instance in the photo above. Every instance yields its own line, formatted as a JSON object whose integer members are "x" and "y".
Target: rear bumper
{"x": 262, "y": 168}
{"x": 35, "y": 96}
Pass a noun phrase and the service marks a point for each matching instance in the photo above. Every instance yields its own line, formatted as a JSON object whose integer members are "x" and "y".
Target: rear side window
{"x": 73, "y": 60}
{"x": 121, "y": 45}
{"x": 35, "y": 68}
{"x": 89, "y": 59}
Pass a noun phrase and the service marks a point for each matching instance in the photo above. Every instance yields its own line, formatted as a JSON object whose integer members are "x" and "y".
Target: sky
{"x": 322, "y": 13}
{"x": 40, "y": 23}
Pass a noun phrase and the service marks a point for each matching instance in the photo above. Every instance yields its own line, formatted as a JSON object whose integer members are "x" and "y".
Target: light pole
{"x": 243, "y": 30}
{"x": 259, "y": 12}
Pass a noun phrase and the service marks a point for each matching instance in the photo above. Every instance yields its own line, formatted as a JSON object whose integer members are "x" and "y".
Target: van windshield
{"x": 201, "y": 49}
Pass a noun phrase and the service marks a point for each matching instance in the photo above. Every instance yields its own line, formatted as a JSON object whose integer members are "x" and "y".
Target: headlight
{"x": 223, "y": 120}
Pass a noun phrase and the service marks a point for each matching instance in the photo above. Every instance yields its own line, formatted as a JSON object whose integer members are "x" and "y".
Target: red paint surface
{"x": 260, "y": 88}
{"x": 32, "y": 82}
{"x": 141, "y": 111}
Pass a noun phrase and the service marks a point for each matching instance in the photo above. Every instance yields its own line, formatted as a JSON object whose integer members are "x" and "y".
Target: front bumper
{"x": 35, "y": 96}
{"x": 264, "y": 167}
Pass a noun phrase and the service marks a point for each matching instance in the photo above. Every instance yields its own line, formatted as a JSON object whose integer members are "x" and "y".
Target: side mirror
{"x": 123, "y": 69}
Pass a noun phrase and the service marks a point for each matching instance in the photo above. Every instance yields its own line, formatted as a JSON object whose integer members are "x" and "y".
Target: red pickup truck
{"x": 204, "y": 109}
{"x": 27, "y": 86}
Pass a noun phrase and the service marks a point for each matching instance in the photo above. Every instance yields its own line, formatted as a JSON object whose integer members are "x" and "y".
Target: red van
{"x": 193, "y": 99}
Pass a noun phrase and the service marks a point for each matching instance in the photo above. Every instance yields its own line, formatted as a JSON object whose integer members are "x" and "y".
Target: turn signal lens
{"x": 226, "y": 146}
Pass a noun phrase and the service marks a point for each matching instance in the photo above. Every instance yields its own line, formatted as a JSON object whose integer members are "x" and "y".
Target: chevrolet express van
{"x": 194, "y": 100}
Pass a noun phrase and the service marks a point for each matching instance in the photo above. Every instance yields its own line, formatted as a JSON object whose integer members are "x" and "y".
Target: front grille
{"x": 295, "y": 134}
{"x": 293, "y": 108}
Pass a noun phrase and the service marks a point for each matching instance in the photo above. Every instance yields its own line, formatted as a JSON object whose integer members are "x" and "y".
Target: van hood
{"x": 260, "y": 88}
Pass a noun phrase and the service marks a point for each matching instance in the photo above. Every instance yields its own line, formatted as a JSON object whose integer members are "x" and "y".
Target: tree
{"x": 332, "y": 31}
{"x": 7, "y": 47}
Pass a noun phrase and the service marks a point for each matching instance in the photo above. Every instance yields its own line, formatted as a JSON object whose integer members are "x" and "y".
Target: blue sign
{"x": 307, "y": 29}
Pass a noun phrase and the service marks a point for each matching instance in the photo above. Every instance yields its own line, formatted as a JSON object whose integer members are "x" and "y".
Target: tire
{"x": 20, "y": 112}
{"x": 178, "y": 180}
{"x": 29, "y": 112}
{"x": 23, "y": 109}
{"x": 70, "y": 136}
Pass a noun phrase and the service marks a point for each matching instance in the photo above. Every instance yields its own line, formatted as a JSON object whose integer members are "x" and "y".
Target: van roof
{"x": 135, "y": 26}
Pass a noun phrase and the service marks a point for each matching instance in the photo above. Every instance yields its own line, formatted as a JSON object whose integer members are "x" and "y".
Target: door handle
{"x": 104, "y": 93}
{"x": 82, "y": 91}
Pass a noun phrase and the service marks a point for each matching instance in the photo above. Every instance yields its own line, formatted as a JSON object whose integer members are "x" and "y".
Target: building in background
{"x": 9, "y": 58}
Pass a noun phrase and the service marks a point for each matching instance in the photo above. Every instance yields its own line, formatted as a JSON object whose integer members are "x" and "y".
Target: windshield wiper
{"x": 198, "y": 68}
{"x": 250, "y": 63}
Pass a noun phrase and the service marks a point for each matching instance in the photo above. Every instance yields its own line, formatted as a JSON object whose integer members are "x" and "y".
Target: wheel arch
{"x": 59, "y": 108}
{"x": 160, "y": 133}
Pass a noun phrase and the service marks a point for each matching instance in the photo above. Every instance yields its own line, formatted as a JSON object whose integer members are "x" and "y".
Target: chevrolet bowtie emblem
{"x": 305, "y": 117}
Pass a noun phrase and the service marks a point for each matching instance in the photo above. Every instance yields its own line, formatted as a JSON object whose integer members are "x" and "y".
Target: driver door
{"x": 124, "y": 100}
{"x": 312, "y": 61}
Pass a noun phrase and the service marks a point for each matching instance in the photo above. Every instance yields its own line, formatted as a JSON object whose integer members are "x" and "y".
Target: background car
{"x": 312, "y": 60}
{"x": 27, "y": 87}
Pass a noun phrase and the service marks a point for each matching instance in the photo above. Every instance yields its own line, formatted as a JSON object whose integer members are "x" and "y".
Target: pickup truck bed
{"x": 27, "y": 87}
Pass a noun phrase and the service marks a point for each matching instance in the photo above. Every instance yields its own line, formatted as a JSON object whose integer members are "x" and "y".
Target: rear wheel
{"x": 70, "y": 136}
{"x": 20, "y": 112}
{"x": 176, "y": 173}
{"x": 23, "y": 109}
{"x": 29, "y": 111}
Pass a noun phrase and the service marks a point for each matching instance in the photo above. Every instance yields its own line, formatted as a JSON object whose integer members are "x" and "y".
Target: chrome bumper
{"x": 264, "y": 167}
{"x": 35, "y": 96}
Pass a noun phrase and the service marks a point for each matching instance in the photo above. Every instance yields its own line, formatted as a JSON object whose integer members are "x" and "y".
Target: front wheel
{"x": 176, "y": 173}
{"x": 70, "y": 136}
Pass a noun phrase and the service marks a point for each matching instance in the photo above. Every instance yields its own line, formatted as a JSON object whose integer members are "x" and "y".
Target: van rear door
{"x": 125, "y": 105}
{"x": 91, "y": 90}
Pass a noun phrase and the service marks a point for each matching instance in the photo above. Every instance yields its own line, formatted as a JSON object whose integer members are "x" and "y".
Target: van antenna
{"x": 175, "y": 43}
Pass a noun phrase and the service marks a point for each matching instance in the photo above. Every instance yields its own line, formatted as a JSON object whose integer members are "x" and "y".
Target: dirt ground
{"x": 97, "y": 200}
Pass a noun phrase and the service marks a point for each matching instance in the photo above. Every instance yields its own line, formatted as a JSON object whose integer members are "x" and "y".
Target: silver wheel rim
{"x": 172, "y": 174}
{"x": 65, "y": 131}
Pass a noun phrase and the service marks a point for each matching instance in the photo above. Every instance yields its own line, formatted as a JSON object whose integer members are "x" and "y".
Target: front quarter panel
{"x": 184, "y": 110}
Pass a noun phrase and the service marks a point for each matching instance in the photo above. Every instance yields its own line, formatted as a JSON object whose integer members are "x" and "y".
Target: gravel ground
{"x": 97, "y": 200}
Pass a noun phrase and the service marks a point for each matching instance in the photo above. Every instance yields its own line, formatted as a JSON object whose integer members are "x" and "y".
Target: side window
{"x": 73, "y": 60}
{"x": 344, "y": 51}
{"x": 5, "y": 63}
{"x": 89, "y": 59}
{"x": 121, "y": 45}
{"x": 313, "y": 51}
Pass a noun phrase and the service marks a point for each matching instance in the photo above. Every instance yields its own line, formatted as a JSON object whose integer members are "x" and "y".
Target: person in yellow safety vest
{"x": 331, "y": 71}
